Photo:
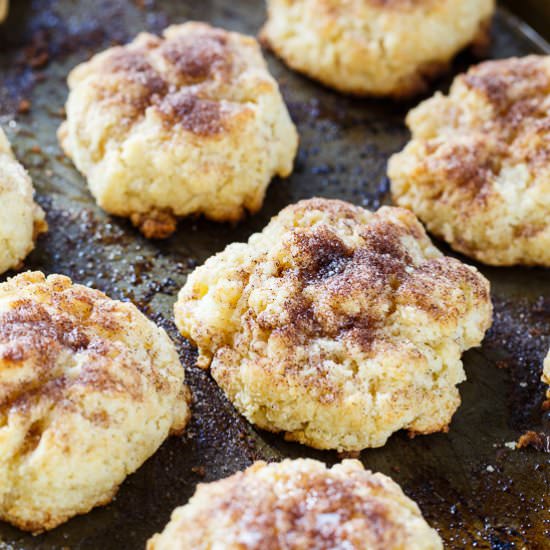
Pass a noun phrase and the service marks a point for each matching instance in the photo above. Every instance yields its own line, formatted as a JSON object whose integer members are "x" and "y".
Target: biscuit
{"x": 299, "y": 504}
{"x": 477, "y": 169}
{"x": 336, "y": 325}
{"x": 189, "y": 123}
{"x": 21, "y": 219}
{"x": 89, "y": 389}
{"x": 375, "y": 47}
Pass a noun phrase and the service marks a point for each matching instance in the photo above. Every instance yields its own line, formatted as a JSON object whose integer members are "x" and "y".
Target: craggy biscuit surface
{"x": 299, "y": 505}
{"x": 191, "y": 122}
{"x": 336, "y": 325}
{"x": 89, "y": 389}
{"x": 374, "y": 47}
{"x": 477, "y": 170}
{"x": 21, "y": 219}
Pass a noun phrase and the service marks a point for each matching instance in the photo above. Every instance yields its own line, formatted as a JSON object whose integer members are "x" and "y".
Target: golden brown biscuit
{"x": 190, "y": 123}
{"x": 21, "y": 219}
{"x": 299, "y": 505}
{"x": 374, "y": 47}
{"x": 336, "y": 325}
{"x": 89, "y": 389}
{"x": 477, "y": 169}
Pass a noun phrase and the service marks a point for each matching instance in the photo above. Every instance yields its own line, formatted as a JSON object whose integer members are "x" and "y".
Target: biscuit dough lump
{"x": 297, "y": 505}
{"x": 21, "y": 219}
{"x": 89, "y": 389}
{"x": 375, "y": 47}
{"x": 336, "y": 325}
{"x": 477, "y": 170}
{"x": 188, "y": 123}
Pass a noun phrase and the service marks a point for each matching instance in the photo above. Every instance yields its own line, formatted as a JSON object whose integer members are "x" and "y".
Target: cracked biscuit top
{"x": 336, "y": 325}
{"x": 182, "y": 78}
{"x": 299, "y": 504}
{"x": 89, "y": 389}
{"x": 189, "y": 122}
{"x": 477, "y": 170}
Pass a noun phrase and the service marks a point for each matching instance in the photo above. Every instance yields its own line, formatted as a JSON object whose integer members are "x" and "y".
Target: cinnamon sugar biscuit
{"x": 298, "y": 505}
{"x": 21, "y": 219}
{"x": 477, "y": 170}
{"x": 336, "y": 325}
{"x": 89, "y": 389}
{"x": 374, "y": 47}
{"x": 189, "y": 123}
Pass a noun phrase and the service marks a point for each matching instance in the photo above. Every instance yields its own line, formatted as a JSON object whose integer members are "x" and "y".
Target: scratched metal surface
{"x": 471, "y": 487}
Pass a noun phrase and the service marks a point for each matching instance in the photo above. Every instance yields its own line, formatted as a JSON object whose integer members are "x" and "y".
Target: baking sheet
{"x": 473, "y": 488}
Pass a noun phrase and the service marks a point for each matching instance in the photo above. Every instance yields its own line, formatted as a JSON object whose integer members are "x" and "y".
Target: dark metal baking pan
{"x": 472, "y": 487}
